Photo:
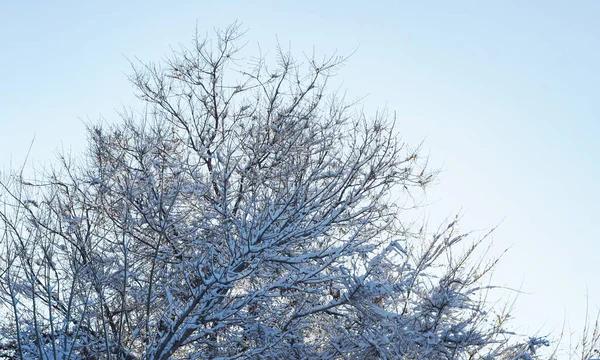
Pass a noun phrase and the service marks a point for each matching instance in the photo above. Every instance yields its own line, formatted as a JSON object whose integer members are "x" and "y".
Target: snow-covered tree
{"x": 246, "y": 213}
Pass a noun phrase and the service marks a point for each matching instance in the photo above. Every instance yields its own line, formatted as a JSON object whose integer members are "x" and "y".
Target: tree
{"x": 246, "y": 213}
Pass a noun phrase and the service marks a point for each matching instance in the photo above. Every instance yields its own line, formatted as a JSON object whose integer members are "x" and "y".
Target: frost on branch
{"x": 248, "y": 213}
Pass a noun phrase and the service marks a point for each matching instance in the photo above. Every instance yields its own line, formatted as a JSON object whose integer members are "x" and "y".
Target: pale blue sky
{"x": 504, "y": 93}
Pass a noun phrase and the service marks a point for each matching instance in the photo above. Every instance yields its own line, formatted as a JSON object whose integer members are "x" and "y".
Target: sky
{"x": 504, "y": 94}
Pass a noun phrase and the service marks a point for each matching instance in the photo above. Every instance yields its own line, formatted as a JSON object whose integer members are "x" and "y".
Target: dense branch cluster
{"x": 246, "y": 213}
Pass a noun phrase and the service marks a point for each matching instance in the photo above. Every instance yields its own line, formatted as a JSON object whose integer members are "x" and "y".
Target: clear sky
{"x": 505, "y": 94}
